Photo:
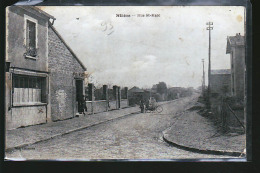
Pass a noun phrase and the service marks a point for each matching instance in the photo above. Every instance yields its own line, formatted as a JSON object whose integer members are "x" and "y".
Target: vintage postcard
{"x": 125, "y": 82}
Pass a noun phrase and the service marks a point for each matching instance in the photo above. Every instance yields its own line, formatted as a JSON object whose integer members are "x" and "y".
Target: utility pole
{"x": 203, "y": 79}
{"x": 209, "y": 27}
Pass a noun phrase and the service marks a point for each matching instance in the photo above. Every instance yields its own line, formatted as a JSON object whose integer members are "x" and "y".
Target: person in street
{"x": 151, "y": 103}
{"x": 147, "y": 104}
{"x": 142, "y": 105}
{"x": 85, "y": 105}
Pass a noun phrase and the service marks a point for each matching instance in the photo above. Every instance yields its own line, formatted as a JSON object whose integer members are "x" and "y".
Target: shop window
{"x": 28, "y": 89}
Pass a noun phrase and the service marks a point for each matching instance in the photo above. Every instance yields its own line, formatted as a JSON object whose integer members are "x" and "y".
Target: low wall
{"x": 89, "y": 106}
{"x": 124, "y": 103}
{"x": 112, "y": 104}
{"x": 96, "y": 106}
{"x": 101, "y": 105}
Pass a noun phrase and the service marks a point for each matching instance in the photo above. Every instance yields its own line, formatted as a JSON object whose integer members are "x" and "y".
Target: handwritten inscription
{"x": 108, "y": 28}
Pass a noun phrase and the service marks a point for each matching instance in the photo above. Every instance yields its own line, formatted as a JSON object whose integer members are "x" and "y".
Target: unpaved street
{"x": 134, "y": 137}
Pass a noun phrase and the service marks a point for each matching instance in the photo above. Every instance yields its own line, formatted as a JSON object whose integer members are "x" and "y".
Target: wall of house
{"x": 232, "y": 74}
{"x": 219, "y": 81}
{"x": 8, "y": 115}
{"x": 62, "y": 66}
{"x": 16, "y": 46}
{"x": 17, "y": 116}
{"x": 239, "y": 70}
{"x": 25, "y": 116}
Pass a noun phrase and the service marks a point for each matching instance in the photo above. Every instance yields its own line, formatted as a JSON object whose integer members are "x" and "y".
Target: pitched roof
{"x": 71, "y": 51}
{"x": 234, "y": 40}
{"x": 149, "y": 90}
{"x": 221, "y": 71}
{"x": 37, "y": 11}
{"x": 136, "y": 90}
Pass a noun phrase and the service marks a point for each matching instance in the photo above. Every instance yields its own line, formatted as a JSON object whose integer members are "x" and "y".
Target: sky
{"x": 142, "y": 51}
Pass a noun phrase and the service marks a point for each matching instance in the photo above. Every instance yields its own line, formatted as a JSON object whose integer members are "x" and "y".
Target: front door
{"x": 79, "y": 95}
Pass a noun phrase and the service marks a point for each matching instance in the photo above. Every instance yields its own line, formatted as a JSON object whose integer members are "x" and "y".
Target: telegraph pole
{"x": 209, "y": 27}
{"x": 203, "y": 79}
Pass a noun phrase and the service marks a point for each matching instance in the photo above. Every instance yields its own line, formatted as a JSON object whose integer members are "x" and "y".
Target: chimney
{"x": 238, "y": 36}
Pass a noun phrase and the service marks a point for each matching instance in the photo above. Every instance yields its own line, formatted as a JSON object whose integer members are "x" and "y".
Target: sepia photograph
{"x": 125, "y": 82}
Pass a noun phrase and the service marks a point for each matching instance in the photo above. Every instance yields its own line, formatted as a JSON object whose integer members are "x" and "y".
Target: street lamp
{"x": 209, "y": 27}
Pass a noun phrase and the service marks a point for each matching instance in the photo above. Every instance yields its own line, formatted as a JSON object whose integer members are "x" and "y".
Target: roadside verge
{"x": 195, "y": 133}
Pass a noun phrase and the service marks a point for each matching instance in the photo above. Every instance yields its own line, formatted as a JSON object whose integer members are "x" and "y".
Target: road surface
{"x": 134, "y": 137}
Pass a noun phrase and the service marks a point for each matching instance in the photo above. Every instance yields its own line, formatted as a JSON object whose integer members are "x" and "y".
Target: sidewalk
{"x": 22, "y": 137}
{"x": 195, "y": 133}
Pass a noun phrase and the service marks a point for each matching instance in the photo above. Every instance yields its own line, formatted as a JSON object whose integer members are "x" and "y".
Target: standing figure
{"x": 142, "y": 106}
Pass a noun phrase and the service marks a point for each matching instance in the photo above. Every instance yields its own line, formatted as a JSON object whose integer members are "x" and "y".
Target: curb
{"x": 68, "y": 132}
{"x": 196, "y": 150}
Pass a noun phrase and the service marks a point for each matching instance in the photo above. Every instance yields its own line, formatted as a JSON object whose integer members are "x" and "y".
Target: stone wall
{"x": 112, "y": 105}
{"x": 124, "y": 103}
{"x": 101, "y": 106}
{"x": 62, "y": 66}
{"x": 96, "y": 106}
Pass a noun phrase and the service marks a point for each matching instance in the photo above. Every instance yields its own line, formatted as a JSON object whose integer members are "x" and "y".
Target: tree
{"x": 162, "y": 88}
{"x": 88, "y": 77}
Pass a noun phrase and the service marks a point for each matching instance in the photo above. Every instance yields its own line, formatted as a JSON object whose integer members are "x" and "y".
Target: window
{"x": 30, "y": 35}
{"x": 28, "y": 89}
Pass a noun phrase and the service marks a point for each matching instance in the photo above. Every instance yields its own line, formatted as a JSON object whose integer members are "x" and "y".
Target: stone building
{"x": 220, "y": 82}
{"x": 44, "y": 77}
{"x": 236, "y": 49}
{"x": 27, "y": 76}
{"x": 67, "y": 74}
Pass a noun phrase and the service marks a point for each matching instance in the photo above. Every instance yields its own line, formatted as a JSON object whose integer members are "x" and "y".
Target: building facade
{"x": 44, "y": 77}
{"x": 221, "y": 82}
{"x": 236, "y": 49}
{"x": 67, "y": 75}
{"x": 26, "y": 96}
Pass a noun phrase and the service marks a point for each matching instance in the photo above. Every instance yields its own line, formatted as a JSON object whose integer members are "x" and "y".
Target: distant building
{"x": 236, "y": 49}
{"x": 135, "y": 94}
{"x": 174, "y": 92}
{"x": 221, "y": 82}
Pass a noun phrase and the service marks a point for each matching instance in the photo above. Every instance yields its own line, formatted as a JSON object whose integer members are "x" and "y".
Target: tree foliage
{"x": 162, "y": 87}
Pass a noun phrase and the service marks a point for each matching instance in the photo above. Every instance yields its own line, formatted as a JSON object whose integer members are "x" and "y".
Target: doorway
{"x": 79, "y": 95}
